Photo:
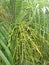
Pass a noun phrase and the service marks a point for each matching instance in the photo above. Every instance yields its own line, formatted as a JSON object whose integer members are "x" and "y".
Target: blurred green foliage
{"x": 24, "y": 32}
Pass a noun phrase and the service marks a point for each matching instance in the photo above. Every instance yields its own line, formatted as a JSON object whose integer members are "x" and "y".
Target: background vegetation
{"x": 24, "y": 32}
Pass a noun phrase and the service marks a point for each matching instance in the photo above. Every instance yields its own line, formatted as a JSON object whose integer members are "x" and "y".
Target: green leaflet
{"x": 4, "y": 58}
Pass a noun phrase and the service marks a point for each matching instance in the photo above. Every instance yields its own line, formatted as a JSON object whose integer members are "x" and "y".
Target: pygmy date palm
{"x": 24, "y": 32}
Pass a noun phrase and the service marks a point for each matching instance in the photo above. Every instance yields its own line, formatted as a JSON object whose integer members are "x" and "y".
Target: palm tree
{"x": 24, "y": 34}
